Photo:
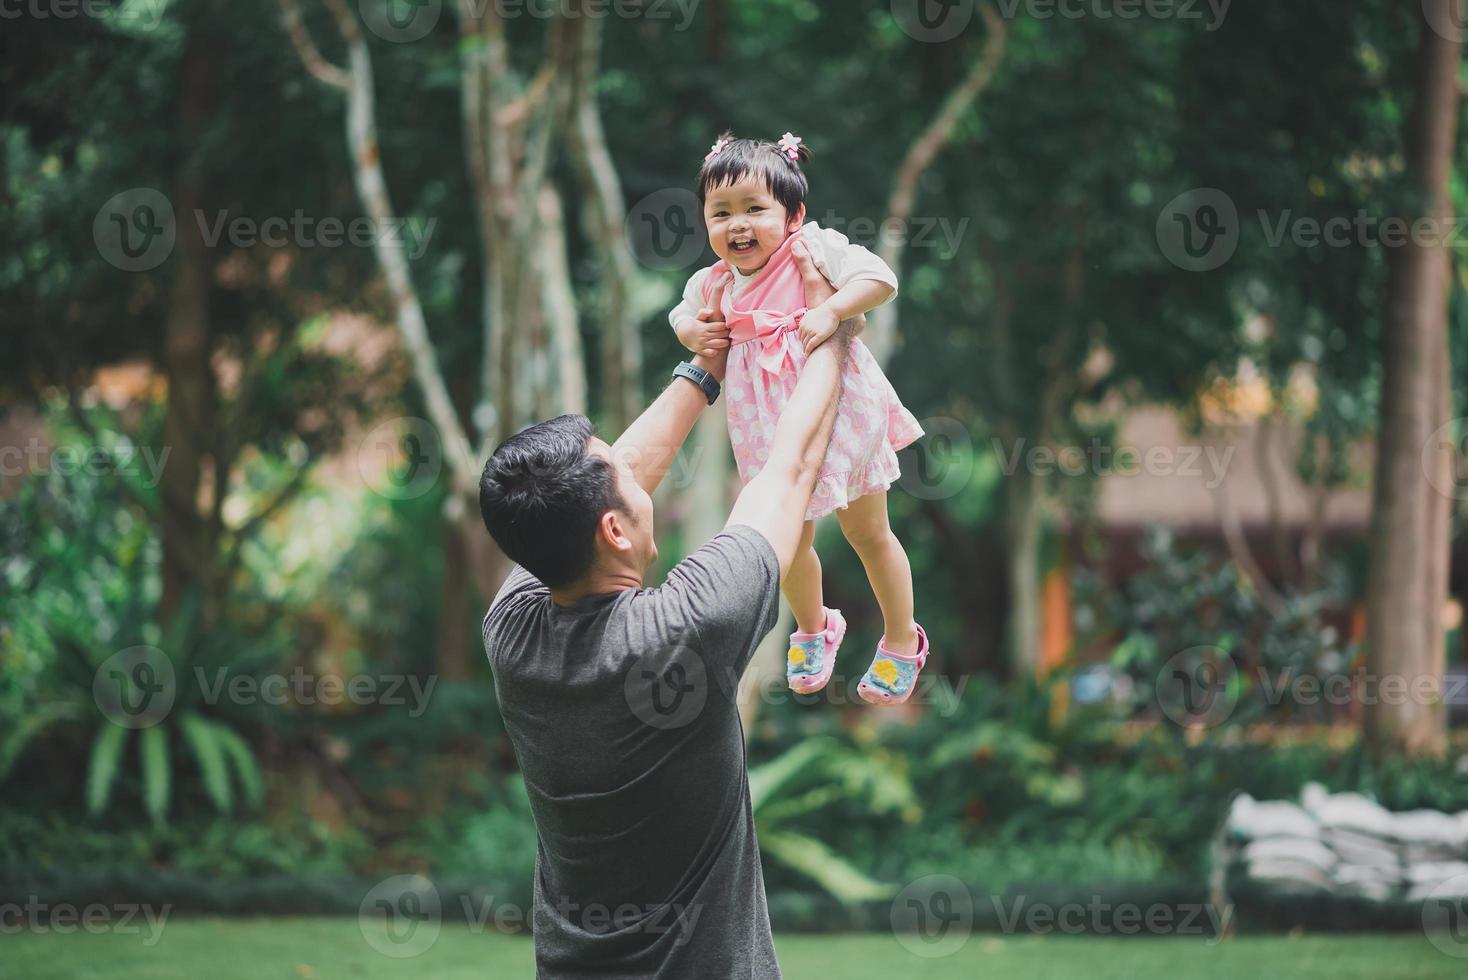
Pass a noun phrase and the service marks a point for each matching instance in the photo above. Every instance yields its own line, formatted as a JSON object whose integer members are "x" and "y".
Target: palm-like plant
{"x": 224, "y": 759}
{"x": 808, "y": 779}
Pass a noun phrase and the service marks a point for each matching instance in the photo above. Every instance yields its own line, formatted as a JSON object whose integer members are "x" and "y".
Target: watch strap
{"x": 700, "y": 377}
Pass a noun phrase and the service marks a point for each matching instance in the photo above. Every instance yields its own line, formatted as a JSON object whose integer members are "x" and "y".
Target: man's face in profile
{"x": 635, "y": 516}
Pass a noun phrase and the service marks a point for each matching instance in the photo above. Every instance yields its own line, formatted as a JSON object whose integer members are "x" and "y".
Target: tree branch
{"x": 252, "y": 526}
{"x": 373, "y": 194}
{"x": 920, "y": 156}
{"x": 310, "y": 56}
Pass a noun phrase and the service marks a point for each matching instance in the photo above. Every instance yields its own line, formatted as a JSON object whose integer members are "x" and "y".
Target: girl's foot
{"x": 892, "y": 676}
{"x": 812, "y": 656}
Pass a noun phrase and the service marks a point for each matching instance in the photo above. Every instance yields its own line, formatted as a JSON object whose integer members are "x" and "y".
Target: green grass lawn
{"x": 302, "y": 949}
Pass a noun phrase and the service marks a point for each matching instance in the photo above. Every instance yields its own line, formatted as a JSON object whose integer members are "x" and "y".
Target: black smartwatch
{"x": 700, "y": 377}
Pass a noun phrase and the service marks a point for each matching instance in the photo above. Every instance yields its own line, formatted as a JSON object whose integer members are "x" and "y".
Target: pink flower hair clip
{"x": 790, "y": 146}
{"x": 718, "y": 148}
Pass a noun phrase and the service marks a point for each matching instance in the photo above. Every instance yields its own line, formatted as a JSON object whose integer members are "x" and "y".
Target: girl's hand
{"x": 704, "y": 335}
{"x": 817, "y": 326}
{"x": 707, "y": 333}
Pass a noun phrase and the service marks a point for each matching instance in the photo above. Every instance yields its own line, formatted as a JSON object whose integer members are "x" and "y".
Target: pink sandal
{"x": 892, "y": 677}
{"x": 812, "y": 656}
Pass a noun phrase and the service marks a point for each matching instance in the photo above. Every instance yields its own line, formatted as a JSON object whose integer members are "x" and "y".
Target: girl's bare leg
{"x": 802, "y": 584}
{"x": 865, "y": 525}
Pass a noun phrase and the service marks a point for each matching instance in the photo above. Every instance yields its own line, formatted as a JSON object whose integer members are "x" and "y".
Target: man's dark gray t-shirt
{"x": 621, "y": 709}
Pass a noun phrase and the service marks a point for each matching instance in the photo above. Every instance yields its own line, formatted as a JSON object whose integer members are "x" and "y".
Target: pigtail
{"x": 793, "y": 148}
{"x": 720, "y": 144}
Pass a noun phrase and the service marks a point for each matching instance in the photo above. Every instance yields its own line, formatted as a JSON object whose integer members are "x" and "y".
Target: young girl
{"x": 753, "y": 301}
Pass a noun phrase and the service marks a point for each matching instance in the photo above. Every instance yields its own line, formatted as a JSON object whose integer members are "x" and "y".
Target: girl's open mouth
{"x": 742, "y": 246}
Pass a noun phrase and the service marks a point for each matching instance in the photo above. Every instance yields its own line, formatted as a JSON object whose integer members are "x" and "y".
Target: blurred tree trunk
{"x": 1023, "y": 499}
{"x": 605, "y": 221}
{"x": 508, "y": 130}
{"x": 188, "y": 550}
{"x": 508, "y": 140}
{"x": 1407, "y": 583}
{"x": 456, "y": 644}
{"x": 568, "y": 384}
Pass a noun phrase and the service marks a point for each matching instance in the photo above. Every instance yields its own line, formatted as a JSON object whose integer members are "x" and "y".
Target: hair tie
{"x": 790, "y": 146}
{"x": 718, "y": 147}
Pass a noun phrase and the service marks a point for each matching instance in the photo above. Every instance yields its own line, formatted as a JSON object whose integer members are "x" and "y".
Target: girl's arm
{"x": 863, "y": 283}
{"x": 852, "y": 300}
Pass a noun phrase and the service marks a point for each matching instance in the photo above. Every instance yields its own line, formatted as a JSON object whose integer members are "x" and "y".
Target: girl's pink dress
{"x": 764, "y": 365}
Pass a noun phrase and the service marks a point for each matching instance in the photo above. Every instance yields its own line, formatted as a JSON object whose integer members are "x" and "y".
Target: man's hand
{"x": 707, "y": 333}
{"x": 817, "y": 289}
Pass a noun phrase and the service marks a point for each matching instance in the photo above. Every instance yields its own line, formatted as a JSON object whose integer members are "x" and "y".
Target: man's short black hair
{"x": 542, "y": 495}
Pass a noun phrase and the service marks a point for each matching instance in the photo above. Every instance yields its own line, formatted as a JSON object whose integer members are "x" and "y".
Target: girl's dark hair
{"x": 765, "y": 161}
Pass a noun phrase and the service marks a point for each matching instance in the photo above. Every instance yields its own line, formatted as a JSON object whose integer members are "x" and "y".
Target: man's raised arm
{"x": 774, "y": 502}
{"x": 651, "y": 443}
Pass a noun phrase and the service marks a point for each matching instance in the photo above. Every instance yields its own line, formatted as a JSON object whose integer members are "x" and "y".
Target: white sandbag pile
{"x": 1348, "y": 845}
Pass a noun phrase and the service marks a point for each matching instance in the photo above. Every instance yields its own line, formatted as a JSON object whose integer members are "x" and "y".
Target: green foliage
{"x": 84, "y": 587}
{"x": 105, "y": 763}
{"x": 1188, "y": 598}
{"x": 201, "y": 738}
{"x": 215, "y": 846}
{"x": 793, "y": 797}
{"x": 157, "y": 772}
{"x": 492, "y": 838}
{"x": 242, "y": 760}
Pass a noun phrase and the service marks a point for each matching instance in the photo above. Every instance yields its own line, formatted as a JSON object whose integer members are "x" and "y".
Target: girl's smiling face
{"x": 746, "y": 224}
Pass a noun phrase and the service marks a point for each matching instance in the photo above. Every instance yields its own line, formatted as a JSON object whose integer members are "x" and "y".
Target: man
{"x": 620, "y": 700}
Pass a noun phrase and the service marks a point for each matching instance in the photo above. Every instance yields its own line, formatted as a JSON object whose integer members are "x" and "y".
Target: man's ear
{"x": 793, "y": 223}
{"x": 611, "y": 531}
